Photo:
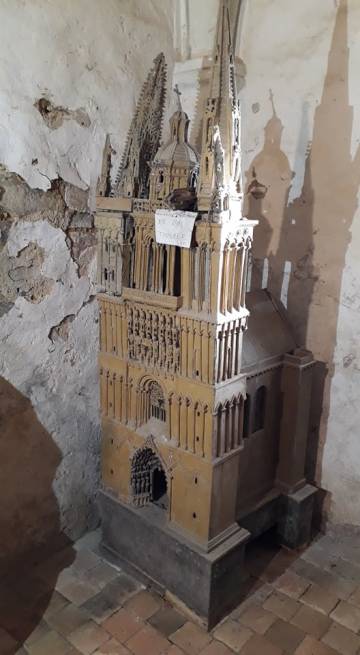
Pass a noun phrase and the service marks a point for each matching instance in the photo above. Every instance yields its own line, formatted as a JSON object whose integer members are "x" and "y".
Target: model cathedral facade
{"x": 175, "y": 401}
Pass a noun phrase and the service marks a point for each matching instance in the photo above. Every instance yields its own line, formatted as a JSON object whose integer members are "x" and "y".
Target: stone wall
{"x": 70, "y": 73}
{"x": 298, "y": 73}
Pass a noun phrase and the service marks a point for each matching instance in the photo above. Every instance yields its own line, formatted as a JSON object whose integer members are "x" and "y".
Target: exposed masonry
{"x": 49, "y": 330}
{"x": 64, "y": 206}
{"x": 55, "y": 116}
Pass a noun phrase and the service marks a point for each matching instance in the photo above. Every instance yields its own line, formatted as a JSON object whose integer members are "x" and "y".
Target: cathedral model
{"x": 204, "y": 394}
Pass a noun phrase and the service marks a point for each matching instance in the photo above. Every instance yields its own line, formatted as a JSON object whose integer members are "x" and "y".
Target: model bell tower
{"x": 171, "y": 332}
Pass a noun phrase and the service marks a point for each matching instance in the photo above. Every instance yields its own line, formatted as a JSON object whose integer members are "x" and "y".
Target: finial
{"x": 178, "y": 94}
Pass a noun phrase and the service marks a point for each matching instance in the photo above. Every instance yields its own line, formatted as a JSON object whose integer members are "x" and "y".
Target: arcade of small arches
{"x": 235, "y": 422}
{"x": 184, "y": 420}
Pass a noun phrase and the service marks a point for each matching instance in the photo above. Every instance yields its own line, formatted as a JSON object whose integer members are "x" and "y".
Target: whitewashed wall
{"x": 89, "y": 60}
{"x": 302, "y": 148}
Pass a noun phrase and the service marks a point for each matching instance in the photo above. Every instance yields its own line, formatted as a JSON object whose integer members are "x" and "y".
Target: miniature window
{"x": 247, "y": 407}
{"x": 161, "y": 177}
{"x": 149, "y": 280}
{"x": 259, "y": 411}
{"x": 164, "y": 270}
{"x": 105, "y": 273}
{"x": 157, "y": 402}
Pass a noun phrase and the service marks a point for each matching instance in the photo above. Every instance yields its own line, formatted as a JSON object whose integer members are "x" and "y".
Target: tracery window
{"x": 157, "y": 402}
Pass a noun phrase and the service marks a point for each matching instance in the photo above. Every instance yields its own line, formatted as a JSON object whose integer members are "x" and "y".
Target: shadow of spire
{"x": 315, "y": 229}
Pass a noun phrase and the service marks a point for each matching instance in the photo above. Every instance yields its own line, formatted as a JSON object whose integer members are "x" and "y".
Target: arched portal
{"x": 148, "y": 479}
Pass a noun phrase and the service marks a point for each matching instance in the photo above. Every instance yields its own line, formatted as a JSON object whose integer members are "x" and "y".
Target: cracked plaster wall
{"x": 303, "y": 149}
{"x": 69, "y": 75}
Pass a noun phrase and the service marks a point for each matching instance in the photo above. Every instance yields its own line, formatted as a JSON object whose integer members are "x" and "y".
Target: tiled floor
{"x": 302, "y": 604}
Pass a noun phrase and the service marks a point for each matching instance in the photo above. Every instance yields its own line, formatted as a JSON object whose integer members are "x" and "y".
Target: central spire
{"x": 221, "y": 123}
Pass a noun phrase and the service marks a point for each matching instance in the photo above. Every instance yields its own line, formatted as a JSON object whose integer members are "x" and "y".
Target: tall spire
{"x": 144, "y": 135}
{"x": 222, "y": 111}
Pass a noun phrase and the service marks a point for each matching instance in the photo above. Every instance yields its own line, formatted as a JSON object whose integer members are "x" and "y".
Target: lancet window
{"x": 233, "y": 278}
{"x": 157, "y": 403}
{"x": 151, "y": 402}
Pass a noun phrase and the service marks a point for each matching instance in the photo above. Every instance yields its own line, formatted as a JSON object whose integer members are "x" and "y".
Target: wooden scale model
{"x": 204, "y": 394}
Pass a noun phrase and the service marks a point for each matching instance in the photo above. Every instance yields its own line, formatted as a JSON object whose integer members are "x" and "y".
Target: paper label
{"x": 174, "y": 227}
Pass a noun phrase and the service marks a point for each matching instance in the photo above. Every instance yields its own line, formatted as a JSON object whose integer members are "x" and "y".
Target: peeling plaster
{"x": 60, "y": 95}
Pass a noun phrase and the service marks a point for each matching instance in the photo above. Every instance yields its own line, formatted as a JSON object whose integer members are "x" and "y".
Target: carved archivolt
{"x": 145, "y": 466}
{"x": 150, "y": 402}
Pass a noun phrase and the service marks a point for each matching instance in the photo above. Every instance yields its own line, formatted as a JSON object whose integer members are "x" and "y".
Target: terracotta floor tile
{"x": 149, "y": 641}
{"x": 345, "y": 569}
{"x": 57, "y": 602}
{"x": 122, "y": 588}
{"x": 342, "y": 639}
{"x": 52, "y": 643}
{"x": 143, "y": 604}
{"x": 314, "y": 623}
{"x": 334, "y": 584}
{"x": 320, "y": 599}
{"x": 233, "y": 634}
{"x": 101, "y": 606}
{"x": 68, "y": 619}
{"x": 281, "y": 605}
{"x": 258, "y": 619}
{"x": 101, "y": 575}
{"x": 39, "y": 631}
{"x": 256, "y": 595}
{"x": 354, "y": 598}
{"x": 190, "y": 638}
{"x": 112, "y": 647}
{"x": 216, "y": 648}
{"x": 259, "y": 645}
{"x": 285, "y": 636}
{"x": 174, "y": 650}
{"x": 167, "y": 620}
{"x": 311, "y": 646}
{"x": 321, "y": 557}
{"x": 78, "y": 591}
{"x": 291, "y": 584}
{"x": 348, "y": 615}
{"x": 85, "y": 560}
{"x": 122, "y": 625}
{"x": 88, "y": 637}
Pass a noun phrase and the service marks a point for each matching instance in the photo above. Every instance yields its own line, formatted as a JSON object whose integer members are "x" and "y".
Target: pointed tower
{"x": 221, "y": 123}
{"x": 104, "y": 181}
{"x": 144, "y": 136}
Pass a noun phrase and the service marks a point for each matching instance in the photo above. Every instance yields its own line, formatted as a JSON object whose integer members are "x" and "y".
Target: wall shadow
{"x": 30, "y": 531}
{"x": 312, "y": 237}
